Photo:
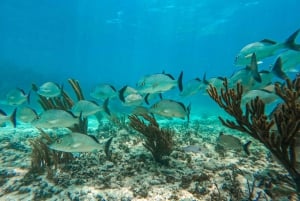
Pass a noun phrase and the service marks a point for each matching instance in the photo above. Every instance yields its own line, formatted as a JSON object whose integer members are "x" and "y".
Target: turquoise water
{"x": 118, "y": 42}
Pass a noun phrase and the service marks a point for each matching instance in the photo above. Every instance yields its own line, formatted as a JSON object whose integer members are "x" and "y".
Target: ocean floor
{"x": 203, "y": 172}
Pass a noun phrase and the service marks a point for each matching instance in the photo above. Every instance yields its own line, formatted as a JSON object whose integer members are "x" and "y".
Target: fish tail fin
{"x": 277, "y": 69}
{"x": 179, "y": 81}
{"x": 246, "y": 148}
{"x": 12, "y": 118}
{"x": 34, "y": 87}
{"x": 146, "y": 98}
{"x": 254, "y": 69}
{"x": 188, "y": 108}
{"x": 105, "y": 106}
{"x": 290, "y": 41}
{"x": 121, "y": 94}
{"x": 28, "y": 97}
{"x": 205, "y": 80}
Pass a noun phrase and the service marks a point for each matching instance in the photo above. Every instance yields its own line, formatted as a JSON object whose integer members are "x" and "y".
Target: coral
{"x": 42, "y": 157}
{"x": 65, "y": 102}
{"x": 158, "y": 141}
{"x": 281, "y": 141}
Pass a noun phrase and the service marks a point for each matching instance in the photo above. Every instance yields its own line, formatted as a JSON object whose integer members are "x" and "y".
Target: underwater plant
{"x": 278, "y": 133}
{"x": 65, "y": 102}
{"x": 43, "y": 157}
{"x": 158, "y": 141}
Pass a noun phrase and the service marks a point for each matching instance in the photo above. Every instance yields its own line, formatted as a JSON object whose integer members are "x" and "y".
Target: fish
{"x": 76, "y": 142}
{"x": 104, "y": 91}
{"x": 192, "y": 148}
{"x": 149, "y": 97}
{"x": 290, "y": 60}
{"x": 5, "y": 118}
{"x": 17, "y": 97}
{"x": 265, "y": 95}
{"x": 265, "y": 48}
{"x": 54, "y": 118}
{"x": 247, "y": 74}
{"x": 214, "y": 81}
{"x": 158, "y": 83}
{"x": 130, "y": 96}
{"x": 87, "y": 108}
{"x": 231, "y": 142}
{"x": 48, "y": 89}
{"x": 26, "y": 114}
{"x": 192, "y": 87}
{"x": 170, "y": 108}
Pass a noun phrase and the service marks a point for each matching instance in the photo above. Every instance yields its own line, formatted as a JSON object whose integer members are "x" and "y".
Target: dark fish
{"x": 231, "y": 142}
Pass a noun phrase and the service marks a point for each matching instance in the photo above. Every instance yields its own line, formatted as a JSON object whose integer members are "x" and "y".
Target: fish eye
{"x": 58, "y": 141}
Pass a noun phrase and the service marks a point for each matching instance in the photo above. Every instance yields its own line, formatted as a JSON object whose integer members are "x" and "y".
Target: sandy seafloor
{"x": 132, "y": 174}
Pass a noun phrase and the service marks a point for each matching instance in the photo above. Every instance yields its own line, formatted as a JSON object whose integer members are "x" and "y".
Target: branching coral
{"x": 281, "y": 141}
{"x": 158, "y": 141}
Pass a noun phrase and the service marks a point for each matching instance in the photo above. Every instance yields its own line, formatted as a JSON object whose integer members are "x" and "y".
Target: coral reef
{"x": 158, "y": 141}
{"x": 278, "y": 132}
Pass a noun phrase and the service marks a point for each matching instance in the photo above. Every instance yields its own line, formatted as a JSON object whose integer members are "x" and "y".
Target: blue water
{"x": 119, "y": 41}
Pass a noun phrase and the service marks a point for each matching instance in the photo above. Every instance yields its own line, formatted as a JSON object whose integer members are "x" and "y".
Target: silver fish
{"x": 17, "y": 97}
{"x": 171, "y": 108}
{"x": 130, "y": 96}
{"x": 192, "y": 87}
{"x": 76, "y": 142}
{"x": 104, "y": 91}
{"x": 265, "y": 48}
{"x": 87, "y": 108}
{"x": 55, "y": 119}
{"x": 26, "y": 114}
{"x": 5, "y": 118}
{"x": 158, "y": 83}
{"x": 265, "y": 95}
{"x": 231, "y": 142}
{"x": 49, "y": 90}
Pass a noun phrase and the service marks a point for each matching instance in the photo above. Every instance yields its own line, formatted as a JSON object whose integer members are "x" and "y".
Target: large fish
{"x": 17, "y": 97}
{"x": 5, "y": 118}
{"x": 170, "y": 108}
{"x": 55, "y": 119}
{"x": 265, "y": 48}
{"x": 48, "y": 89}
{"x": 26, "y": 114}
{"x": 87, "y": 108}
{"x": 104, "y": 91}
{"x": 233, "y": 143}
{"x": 192, "y": 87}
{"x": 76, "y": 142}
{"x": 158, "y": 83}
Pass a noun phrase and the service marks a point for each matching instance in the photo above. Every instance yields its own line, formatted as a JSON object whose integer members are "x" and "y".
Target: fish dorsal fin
{"x": 71, "y": 113}
{"x": 93, "y": 101}
{"x": 268, "y": 41}
{"x": 21, "y": 90}
{"x": 264, "y": 71}
{"x": 112, "y": 87}
{"x": 94, "y": 138}
{"x": 169, "y": 75}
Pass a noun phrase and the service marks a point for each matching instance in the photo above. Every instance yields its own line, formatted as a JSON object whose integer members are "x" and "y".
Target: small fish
{"x": 265, "y": 48}
{"x": 192, "y": 148}
{"x": 231, "y": 142}
{"x": 130, "y": 96}
{"x": 76, "y": 142}
{"x": 192, "y": 87}
{"x": 265, "y": 95}
{"x": 55, "y": 119}
{"x": 214, "y": 81}
{"x": 26, "y": 114}
{"x": 4, "y": 118}
{"x": 17, "y": 97}
{"x": 170, "y": 108}
{"x": 48, "y": 90}
{"x": 87, "y": 108}
{"x": 158, "y": 83}
{"x": 104, "y": 91}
